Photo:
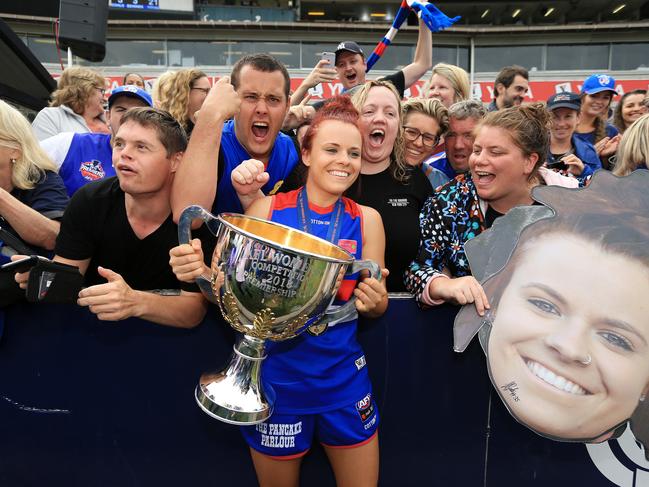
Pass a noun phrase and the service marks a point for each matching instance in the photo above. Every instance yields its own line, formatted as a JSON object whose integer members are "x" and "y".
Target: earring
{"x": 642, "y": 397}
{"x": 13, "y": 161}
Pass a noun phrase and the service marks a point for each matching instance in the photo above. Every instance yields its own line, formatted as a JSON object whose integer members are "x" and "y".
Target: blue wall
{"x": 89, "y": 403}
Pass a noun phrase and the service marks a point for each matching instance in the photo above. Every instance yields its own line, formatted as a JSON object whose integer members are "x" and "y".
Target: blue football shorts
{"x": 288, "y": 436}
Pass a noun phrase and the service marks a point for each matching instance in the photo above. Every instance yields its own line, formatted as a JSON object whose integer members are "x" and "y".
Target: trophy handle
{"x": 348, "y": 310}
{"x": 188, "y": 215}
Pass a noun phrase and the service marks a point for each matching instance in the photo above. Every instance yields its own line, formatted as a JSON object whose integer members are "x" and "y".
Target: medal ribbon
{"x": 305, "y": 216}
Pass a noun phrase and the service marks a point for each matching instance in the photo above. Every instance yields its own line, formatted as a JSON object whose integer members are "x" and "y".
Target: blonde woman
{"x": 77, "y": 105}
{"x": 32, "y": 195}
{"x": 183, "y": 94}
{"x": 387, "y": 183}
{"x": 161, "y": 91}
{"x": 633, "y": 151}
{"x": 449, "y": 84}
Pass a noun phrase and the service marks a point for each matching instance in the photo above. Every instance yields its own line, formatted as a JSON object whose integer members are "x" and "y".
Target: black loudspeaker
{"x": 82, "y": 27}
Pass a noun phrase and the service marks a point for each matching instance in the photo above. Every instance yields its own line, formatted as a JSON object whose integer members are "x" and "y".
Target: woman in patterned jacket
{"x": 508, "y": 152}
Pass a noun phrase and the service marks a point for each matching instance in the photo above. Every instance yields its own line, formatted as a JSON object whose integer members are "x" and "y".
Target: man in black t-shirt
{"x": 120, "y": 229}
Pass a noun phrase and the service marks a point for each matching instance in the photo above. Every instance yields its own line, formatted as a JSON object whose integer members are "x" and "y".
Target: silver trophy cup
{"x": 271, "y": 282}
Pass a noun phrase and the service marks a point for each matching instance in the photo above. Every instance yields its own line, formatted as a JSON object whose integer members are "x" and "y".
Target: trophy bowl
{"x": 271, "y": 282}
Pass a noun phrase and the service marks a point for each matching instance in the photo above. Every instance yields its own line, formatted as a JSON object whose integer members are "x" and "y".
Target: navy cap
{"x": 132, "y": 91}
{"x": 564, "y": 100}
{"x": 350, "y": 46}
{"x": 597, "y": 83}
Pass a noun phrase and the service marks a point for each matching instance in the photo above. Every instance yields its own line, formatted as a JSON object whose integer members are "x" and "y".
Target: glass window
{"x": 198, "y": 53}
{"x": 444, "y": 54}
{"x": 311, "y": 53}
{"x": 494, "y": 58}
{"x": 288, "y": 53}
{"x": 463, "y": 53}
{"x": 577, "y": 56}
{"x": 456, "y": 55}
{"x": 131, "y": 53}
{"x": 395, "y": 57}
{"x": 630, "y": 56}
{"x": 44, "y": 49}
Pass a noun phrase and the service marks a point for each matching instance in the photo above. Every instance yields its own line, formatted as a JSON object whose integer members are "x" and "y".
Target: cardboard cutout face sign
{"x": 567, "y": 336}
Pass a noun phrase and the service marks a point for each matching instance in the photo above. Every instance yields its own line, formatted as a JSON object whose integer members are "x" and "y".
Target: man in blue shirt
{"x": 463, "y": 117}
{"x": 83, "y": 158}
{"x": 240, "y": 120}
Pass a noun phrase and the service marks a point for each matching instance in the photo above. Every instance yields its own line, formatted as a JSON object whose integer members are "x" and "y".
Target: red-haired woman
{"x": 320, "y": 378}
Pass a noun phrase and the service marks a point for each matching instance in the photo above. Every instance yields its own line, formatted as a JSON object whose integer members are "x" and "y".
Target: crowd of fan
{"x": 103, "y": 189}
{"x": 253, "y": 118}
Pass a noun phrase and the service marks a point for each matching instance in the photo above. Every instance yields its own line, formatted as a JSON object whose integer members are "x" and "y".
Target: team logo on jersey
{"x": 317, "y": 330}
{"x": 350, "y": 246}
{"x": 365, "y": 407}
{"x": 92, "y": 170}
{"x": 360, "y": 362}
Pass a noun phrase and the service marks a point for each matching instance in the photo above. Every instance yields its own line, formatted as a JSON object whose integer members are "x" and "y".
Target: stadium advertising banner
{"x": 539, "y": 90}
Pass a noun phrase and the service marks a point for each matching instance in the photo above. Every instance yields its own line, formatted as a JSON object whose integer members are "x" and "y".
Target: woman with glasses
{"x": 425, "y": 121}
{"x": 77, "y": 105}
{"x": 183, "y": 95}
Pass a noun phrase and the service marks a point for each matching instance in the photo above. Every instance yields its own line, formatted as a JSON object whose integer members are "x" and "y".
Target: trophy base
{"x": 235, "y": 394}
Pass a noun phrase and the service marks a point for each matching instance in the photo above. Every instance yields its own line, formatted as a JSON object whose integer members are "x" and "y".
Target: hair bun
{"x": 537, "y": 112}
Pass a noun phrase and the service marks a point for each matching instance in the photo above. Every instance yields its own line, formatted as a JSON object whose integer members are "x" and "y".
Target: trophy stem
{"x": 235, "y": 394}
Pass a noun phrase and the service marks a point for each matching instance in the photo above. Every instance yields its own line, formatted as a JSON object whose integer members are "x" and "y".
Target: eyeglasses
{"x": 101, "y": 90}
{"x": 412, "y": 134}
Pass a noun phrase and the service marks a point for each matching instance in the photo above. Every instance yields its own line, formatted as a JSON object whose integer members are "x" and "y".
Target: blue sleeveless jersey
{"x": 283, "y": 159}
{"x": 89, "y": 158}
{"x": 313, "y": 374}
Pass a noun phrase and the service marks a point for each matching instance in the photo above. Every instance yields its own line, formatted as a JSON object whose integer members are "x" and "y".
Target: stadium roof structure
{"x": 486, "y": 12}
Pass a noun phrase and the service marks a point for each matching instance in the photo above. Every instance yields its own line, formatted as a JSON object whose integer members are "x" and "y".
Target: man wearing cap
{"x": 568, "y": 152}
{"x": 83, "y": 158}
{"x": 351, "y": 64}
{"x": 510, "y": 88}
{"x": 351, "y": 67}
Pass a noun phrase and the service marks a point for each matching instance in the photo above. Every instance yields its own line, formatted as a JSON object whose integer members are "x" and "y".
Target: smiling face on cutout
{"x": 568, "y": 350}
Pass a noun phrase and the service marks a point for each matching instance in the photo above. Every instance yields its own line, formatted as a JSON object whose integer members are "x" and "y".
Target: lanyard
{"x": 305, "y": 216}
